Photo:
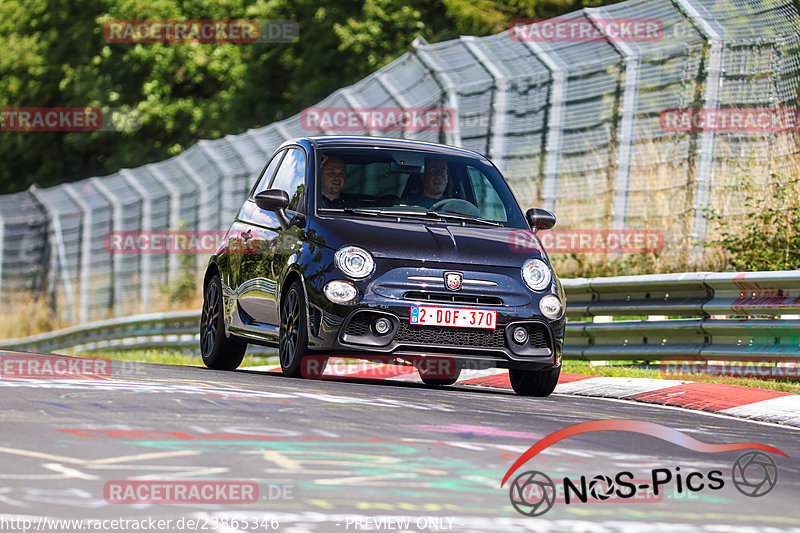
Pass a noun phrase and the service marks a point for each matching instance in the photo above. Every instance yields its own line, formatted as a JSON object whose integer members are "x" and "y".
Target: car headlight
{"x": 536, "y": 274}
{"x": 340, "y": 291}
{"x": 550, "y": 306}
{"x": 355, "y": 262}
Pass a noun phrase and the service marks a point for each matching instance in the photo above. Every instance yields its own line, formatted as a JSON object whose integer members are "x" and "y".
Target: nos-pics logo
{"x": 533, "y": 493}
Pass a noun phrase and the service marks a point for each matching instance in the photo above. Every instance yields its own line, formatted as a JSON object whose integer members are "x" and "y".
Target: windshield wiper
{"x": 465, "y": 218}
{"x": 407, "y": 213}
{"x": 437, "y": 214}
{"x": 347, "y": 210}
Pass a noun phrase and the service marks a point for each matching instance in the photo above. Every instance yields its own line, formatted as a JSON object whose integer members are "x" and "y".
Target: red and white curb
{"x": 734, "y": 400}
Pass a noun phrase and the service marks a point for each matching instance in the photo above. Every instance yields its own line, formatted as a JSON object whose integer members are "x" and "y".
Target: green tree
{"x": 53, "y": 54}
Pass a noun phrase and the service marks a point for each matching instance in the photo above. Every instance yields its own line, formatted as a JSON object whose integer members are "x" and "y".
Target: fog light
{"x": 340, "y": 292}
{"x": 520, "y": 335}
{"x": 382, "y": 326}
{"x": 550, "y": 306}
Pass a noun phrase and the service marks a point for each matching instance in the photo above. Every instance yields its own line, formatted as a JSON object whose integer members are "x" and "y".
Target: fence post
{"x": 116, "y": 210}
{"x": 145, "y": 225}
{"x": 496, "y": 138}
{"x": 86, "y": 249}
{"x": 174, "y": 215}
{"x": 712, "y": 32}
{"x": 555, "y": 122}
{"x": 451, "y": 136}
{"x": 396, "y": 95}
{"x": 352, "y": 101}
{"x": 58, "y": 256}
{"x": 632, "y": 61}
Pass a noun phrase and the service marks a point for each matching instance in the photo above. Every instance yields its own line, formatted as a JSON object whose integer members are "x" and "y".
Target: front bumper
{"x": 349, "y": 330}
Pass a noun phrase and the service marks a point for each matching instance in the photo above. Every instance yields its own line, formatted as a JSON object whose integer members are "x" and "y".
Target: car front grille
{"x": 451, "y": 298}
{"x": 448, "y": 336}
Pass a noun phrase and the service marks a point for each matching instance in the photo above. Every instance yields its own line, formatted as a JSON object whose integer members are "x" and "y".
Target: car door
{"x": 258, "y": 291}
{"x": 242, "y": 254}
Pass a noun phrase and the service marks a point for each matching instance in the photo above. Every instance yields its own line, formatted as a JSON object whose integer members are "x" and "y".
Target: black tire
{"x": 439, "y": 381}
{"x": 293, "y": 337}
{"x": 539, "y": 383}
{"x": 219, "y": 352}
{"x": 435, "y": 375}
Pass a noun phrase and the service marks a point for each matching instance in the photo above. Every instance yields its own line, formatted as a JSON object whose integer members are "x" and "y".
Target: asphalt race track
{"x": 355, "y": 455}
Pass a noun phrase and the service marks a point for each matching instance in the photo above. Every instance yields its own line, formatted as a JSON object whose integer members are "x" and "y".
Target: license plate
{"x": 458, "y": 317}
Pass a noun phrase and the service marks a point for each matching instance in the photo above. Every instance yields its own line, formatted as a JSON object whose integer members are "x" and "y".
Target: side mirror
{"x": 540, "y": 219}
{"x": 272, "y": 200}
{"x": 276, "y": 200}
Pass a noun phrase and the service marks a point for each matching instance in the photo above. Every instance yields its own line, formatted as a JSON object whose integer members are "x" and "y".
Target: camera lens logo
{"x": 754, "y": 474}
{"x": 532, "y": 493}
{"x": 601, "y": 487}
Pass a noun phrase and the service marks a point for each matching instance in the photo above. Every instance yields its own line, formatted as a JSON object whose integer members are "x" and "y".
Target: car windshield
{"x": 415, "y": 185}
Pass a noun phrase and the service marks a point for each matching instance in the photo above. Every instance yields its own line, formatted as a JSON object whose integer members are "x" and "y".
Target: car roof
{"x": 354, "y": 141}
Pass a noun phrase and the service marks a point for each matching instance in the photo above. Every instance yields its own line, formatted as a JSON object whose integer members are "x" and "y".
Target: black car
{"x": 389, "y": 250}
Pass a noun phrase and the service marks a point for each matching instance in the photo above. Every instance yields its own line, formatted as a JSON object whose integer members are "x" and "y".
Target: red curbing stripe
{"x": 566, "y": 377}
{"x": 501, "y": 380}
{"x": 498, "y": 381}
{"x": 706, "y": 396}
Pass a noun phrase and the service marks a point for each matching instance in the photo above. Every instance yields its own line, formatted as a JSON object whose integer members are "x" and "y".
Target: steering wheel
{"x": 456, "y": 205}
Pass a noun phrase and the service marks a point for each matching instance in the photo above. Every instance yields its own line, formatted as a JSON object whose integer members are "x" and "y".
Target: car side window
{"x": 489, "y": 202}
{"x": 291, "y": 177}
{"x": 266, "y": 176}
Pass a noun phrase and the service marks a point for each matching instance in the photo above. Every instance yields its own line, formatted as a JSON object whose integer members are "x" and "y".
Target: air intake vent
{"x": 452, "y": 298}
{"x": 447, "y": 336}
{"x": 538, "y": 336}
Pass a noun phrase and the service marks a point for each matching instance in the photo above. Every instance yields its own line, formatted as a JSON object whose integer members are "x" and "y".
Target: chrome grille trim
{"x": 466, "y": 282}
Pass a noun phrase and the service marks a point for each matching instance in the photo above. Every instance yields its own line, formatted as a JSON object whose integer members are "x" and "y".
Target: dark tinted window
{"x": 398, "y": 179}
{"x": 266, "y": 176}
{"x": 291, "y": 177}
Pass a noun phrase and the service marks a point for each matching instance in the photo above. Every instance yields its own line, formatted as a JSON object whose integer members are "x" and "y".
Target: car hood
{"x": 450, "y": 243}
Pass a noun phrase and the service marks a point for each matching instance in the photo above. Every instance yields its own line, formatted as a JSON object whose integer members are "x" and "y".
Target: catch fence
{"x": 581, "y": 127}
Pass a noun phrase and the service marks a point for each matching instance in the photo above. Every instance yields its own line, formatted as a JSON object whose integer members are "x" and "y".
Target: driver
{"x": 333, "y": 172}
{"x": 434, "y": 183}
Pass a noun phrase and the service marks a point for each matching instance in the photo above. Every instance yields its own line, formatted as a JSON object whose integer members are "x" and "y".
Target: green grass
{"x": 637, "y": 371}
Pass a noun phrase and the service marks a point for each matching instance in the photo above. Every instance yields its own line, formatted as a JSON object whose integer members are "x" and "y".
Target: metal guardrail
{"x": 709, "y": 298}
{"x": 178, "y": 330}
{"x": 703, "y": 300}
